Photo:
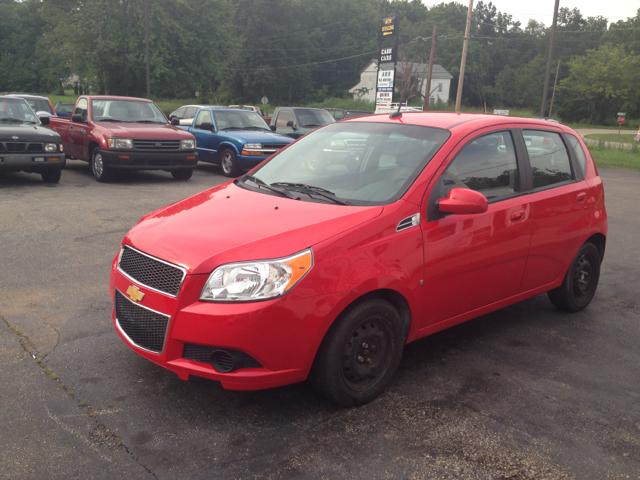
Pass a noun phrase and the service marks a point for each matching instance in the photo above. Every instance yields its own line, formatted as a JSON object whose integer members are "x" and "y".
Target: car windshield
{"x": 40, "y": 105}
{"x": 16, "y": 111}
{"x": 308, "y": 117}
{"x": 352, "y": 162}
{"x": 131, "y": 111}
{"x": 238, "y": 120}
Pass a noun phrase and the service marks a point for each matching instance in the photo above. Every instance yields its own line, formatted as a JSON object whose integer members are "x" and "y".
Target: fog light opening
{"x": 224, "y": 361}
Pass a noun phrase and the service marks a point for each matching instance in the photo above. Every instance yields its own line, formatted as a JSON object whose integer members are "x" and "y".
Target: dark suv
{"x": 25, "y": 144}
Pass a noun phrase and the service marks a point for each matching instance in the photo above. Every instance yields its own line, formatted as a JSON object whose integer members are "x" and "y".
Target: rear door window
{"x": 488, "y": 165}
{"x": 548, "y": 157}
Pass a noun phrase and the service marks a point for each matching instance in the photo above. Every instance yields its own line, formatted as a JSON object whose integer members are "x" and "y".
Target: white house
{"x": 440, "y": 81}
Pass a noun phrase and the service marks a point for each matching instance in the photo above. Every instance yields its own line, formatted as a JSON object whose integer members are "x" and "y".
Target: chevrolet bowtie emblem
{"x": 135, "y": 294}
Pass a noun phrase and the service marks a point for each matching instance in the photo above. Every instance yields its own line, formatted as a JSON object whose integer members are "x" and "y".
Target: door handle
{"x": 582, "y": 197}
{"x": 517, "y": 215}
{"x": 70, "y": 127}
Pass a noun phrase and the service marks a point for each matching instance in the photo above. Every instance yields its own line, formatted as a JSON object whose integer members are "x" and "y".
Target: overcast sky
{"x": 542, "y": 10}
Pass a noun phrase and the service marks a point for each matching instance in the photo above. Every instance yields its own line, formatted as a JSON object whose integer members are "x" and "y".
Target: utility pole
{"x": 427, "y": 91}
{"x": 146, "y": 35}
{"x": 546, "y": 75}
{"x": 464, "y": 56}
{"x": 555, "y": 83}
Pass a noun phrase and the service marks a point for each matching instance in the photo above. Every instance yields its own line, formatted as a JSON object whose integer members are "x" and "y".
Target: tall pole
{"x": 146, "y": 37}
{"x": 464, "y": 56}
{"x": 546, "y": 75}
{"x": 427, "y": 92}
{"x": 555, "y": 83}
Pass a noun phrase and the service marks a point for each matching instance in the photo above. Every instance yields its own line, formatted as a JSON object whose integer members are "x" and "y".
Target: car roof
{"x": 26, "y": 95}
{"x": 450, "y": 120}
{"x": 115, "y": 97}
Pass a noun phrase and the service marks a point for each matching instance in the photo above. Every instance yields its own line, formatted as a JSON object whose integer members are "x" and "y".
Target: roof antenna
{"x": 398, "y": 113}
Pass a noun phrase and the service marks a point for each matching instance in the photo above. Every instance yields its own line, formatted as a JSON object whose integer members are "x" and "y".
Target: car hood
{"x": 229, "y": 224}
{"x": 254, "y": 136}
{"x": 27, "y": 133}
{"x": 144, "y": 130}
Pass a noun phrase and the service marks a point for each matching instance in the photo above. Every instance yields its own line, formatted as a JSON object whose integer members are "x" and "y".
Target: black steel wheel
{"x": 229, "y": 163}
{"x": 360, "y": 353}
{"x": 51, "y": 175}
{"x": 182, "y": 174}
{"x": 580, "y": 282}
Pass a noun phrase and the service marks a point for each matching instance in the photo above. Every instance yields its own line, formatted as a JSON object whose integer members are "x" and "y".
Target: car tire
{"x": 580, "y": 282}
{"x": 51, "y": 175}
{"x": 182, "y": 174}
{"x": 229, "y": 163}
{"x": 359, "y": 354}
{"x": 100, "y": 171}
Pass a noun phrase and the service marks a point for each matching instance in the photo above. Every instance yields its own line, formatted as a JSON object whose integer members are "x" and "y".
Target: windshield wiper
{"x": 262, "y": 184}
{"x": 147, "y": 121}
{"x": 322, "y": 192}
{"x": 13, "y": 120}
{"x": 112, "y": 120}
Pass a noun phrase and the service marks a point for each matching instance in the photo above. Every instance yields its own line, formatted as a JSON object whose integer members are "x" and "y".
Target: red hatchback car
{"x": 360, "y": 237}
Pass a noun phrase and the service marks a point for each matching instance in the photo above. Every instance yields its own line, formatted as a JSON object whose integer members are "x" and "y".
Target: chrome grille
{"x": 145, "y": 328}
{"x": 151, "y": 272}
{"x": 156, "y": 145}
{"x": 202, "y": 354}
{"x": 273, "y": 146}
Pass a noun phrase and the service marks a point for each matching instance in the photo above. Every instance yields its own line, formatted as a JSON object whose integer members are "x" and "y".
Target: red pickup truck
{"x": 125, "y": 133}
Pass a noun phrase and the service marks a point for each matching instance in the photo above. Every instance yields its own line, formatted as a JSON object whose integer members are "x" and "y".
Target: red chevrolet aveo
{"x": 364, "y": 235}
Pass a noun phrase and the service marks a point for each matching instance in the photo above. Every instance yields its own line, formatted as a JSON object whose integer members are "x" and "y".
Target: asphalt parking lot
{"x": 523, "y": 393}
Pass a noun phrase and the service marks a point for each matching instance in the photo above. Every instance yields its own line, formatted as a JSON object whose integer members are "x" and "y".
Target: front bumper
{"x": 31, "y": 162}
{"x": 133, "y": 160}
{"x": 283, "y": 334}
{"x": 247, "y": 162}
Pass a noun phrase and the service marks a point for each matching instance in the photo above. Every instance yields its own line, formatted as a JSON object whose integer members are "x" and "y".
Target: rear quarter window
{"x": 576, "y": 148}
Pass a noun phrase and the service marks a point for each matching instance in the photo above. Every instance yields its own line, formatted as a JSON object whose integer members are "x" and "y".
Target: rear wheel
{"x": 100, "y": 171}
{"x": 182, "y": 174}
{"x": 580, "y": 282}
{"x": 51, "y": 175}
{"x": 360, "y": 353}
{"x": 229, "y": 163}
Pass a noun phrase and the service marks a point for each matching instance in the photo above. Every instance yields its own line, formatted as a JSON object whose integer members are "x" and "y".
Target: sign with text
{"x": 388, "y": 54}
{"x": 384, "y": 92}
{"x": 389, "y": 26}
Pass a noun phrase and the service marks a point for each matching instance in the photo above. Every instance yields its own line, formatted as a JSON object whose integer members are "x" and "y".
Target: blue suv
{"x": 237, "y": 140}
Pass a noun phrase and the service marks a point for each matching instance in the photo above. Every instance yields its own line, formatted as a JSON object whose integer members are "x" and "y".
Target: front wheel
{"x": 100, "y": 171}
{"x": 580, "y": 282}
{"x": 51, "y": 175}
{"x": 229, "y": 163}
{"x": 360, "y": 354}
{"x": 182, "y": 174}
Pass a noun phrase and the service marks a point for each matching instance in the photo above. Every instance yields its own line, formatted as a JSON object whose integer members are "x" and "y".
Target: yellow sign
{"x": 135, "y": 294}
{"x": 389, "y": 25}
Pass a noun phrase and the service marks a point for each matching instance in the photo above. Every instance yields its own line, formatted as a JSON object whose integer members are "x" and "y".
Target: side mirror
{"x": 77, "y": 118}
{"x": 462, "y": 201}
{"x": 206, "y": 126}
{"x": 291, "y": 124}
{"x": 272, "y": 127}
{"x": 175, "y": 121}
{"x": 45, "y": 120}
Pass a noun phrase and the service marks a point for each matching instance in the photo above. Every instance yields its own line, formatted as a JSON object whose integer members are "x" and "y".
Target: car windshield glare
{"x": 359, "y": 163}
{"x": 313, "y": 118}
{"x": 16, "y": 111}
{"x": 126, "y": 111}
{"x": 239, "y": 119}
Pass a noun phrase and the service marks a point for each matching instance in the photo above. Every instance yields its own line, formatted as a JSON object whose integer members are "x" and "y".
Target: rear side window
{"x": 574, "y": 144}
{"x": 487, "y": 164}
{"x": 548, "y": 158}
{"x": 190, "y": 112}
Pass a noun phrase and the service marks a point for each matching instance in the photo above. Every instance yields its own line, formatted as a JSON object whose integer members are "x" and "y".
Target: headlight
{"x": 259, "y": 280}
{"x": 252, "y": 146}
{"x": 124, "y": 143}
{"x": 188, "y": 144}
{"x": 50, "y": 147}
